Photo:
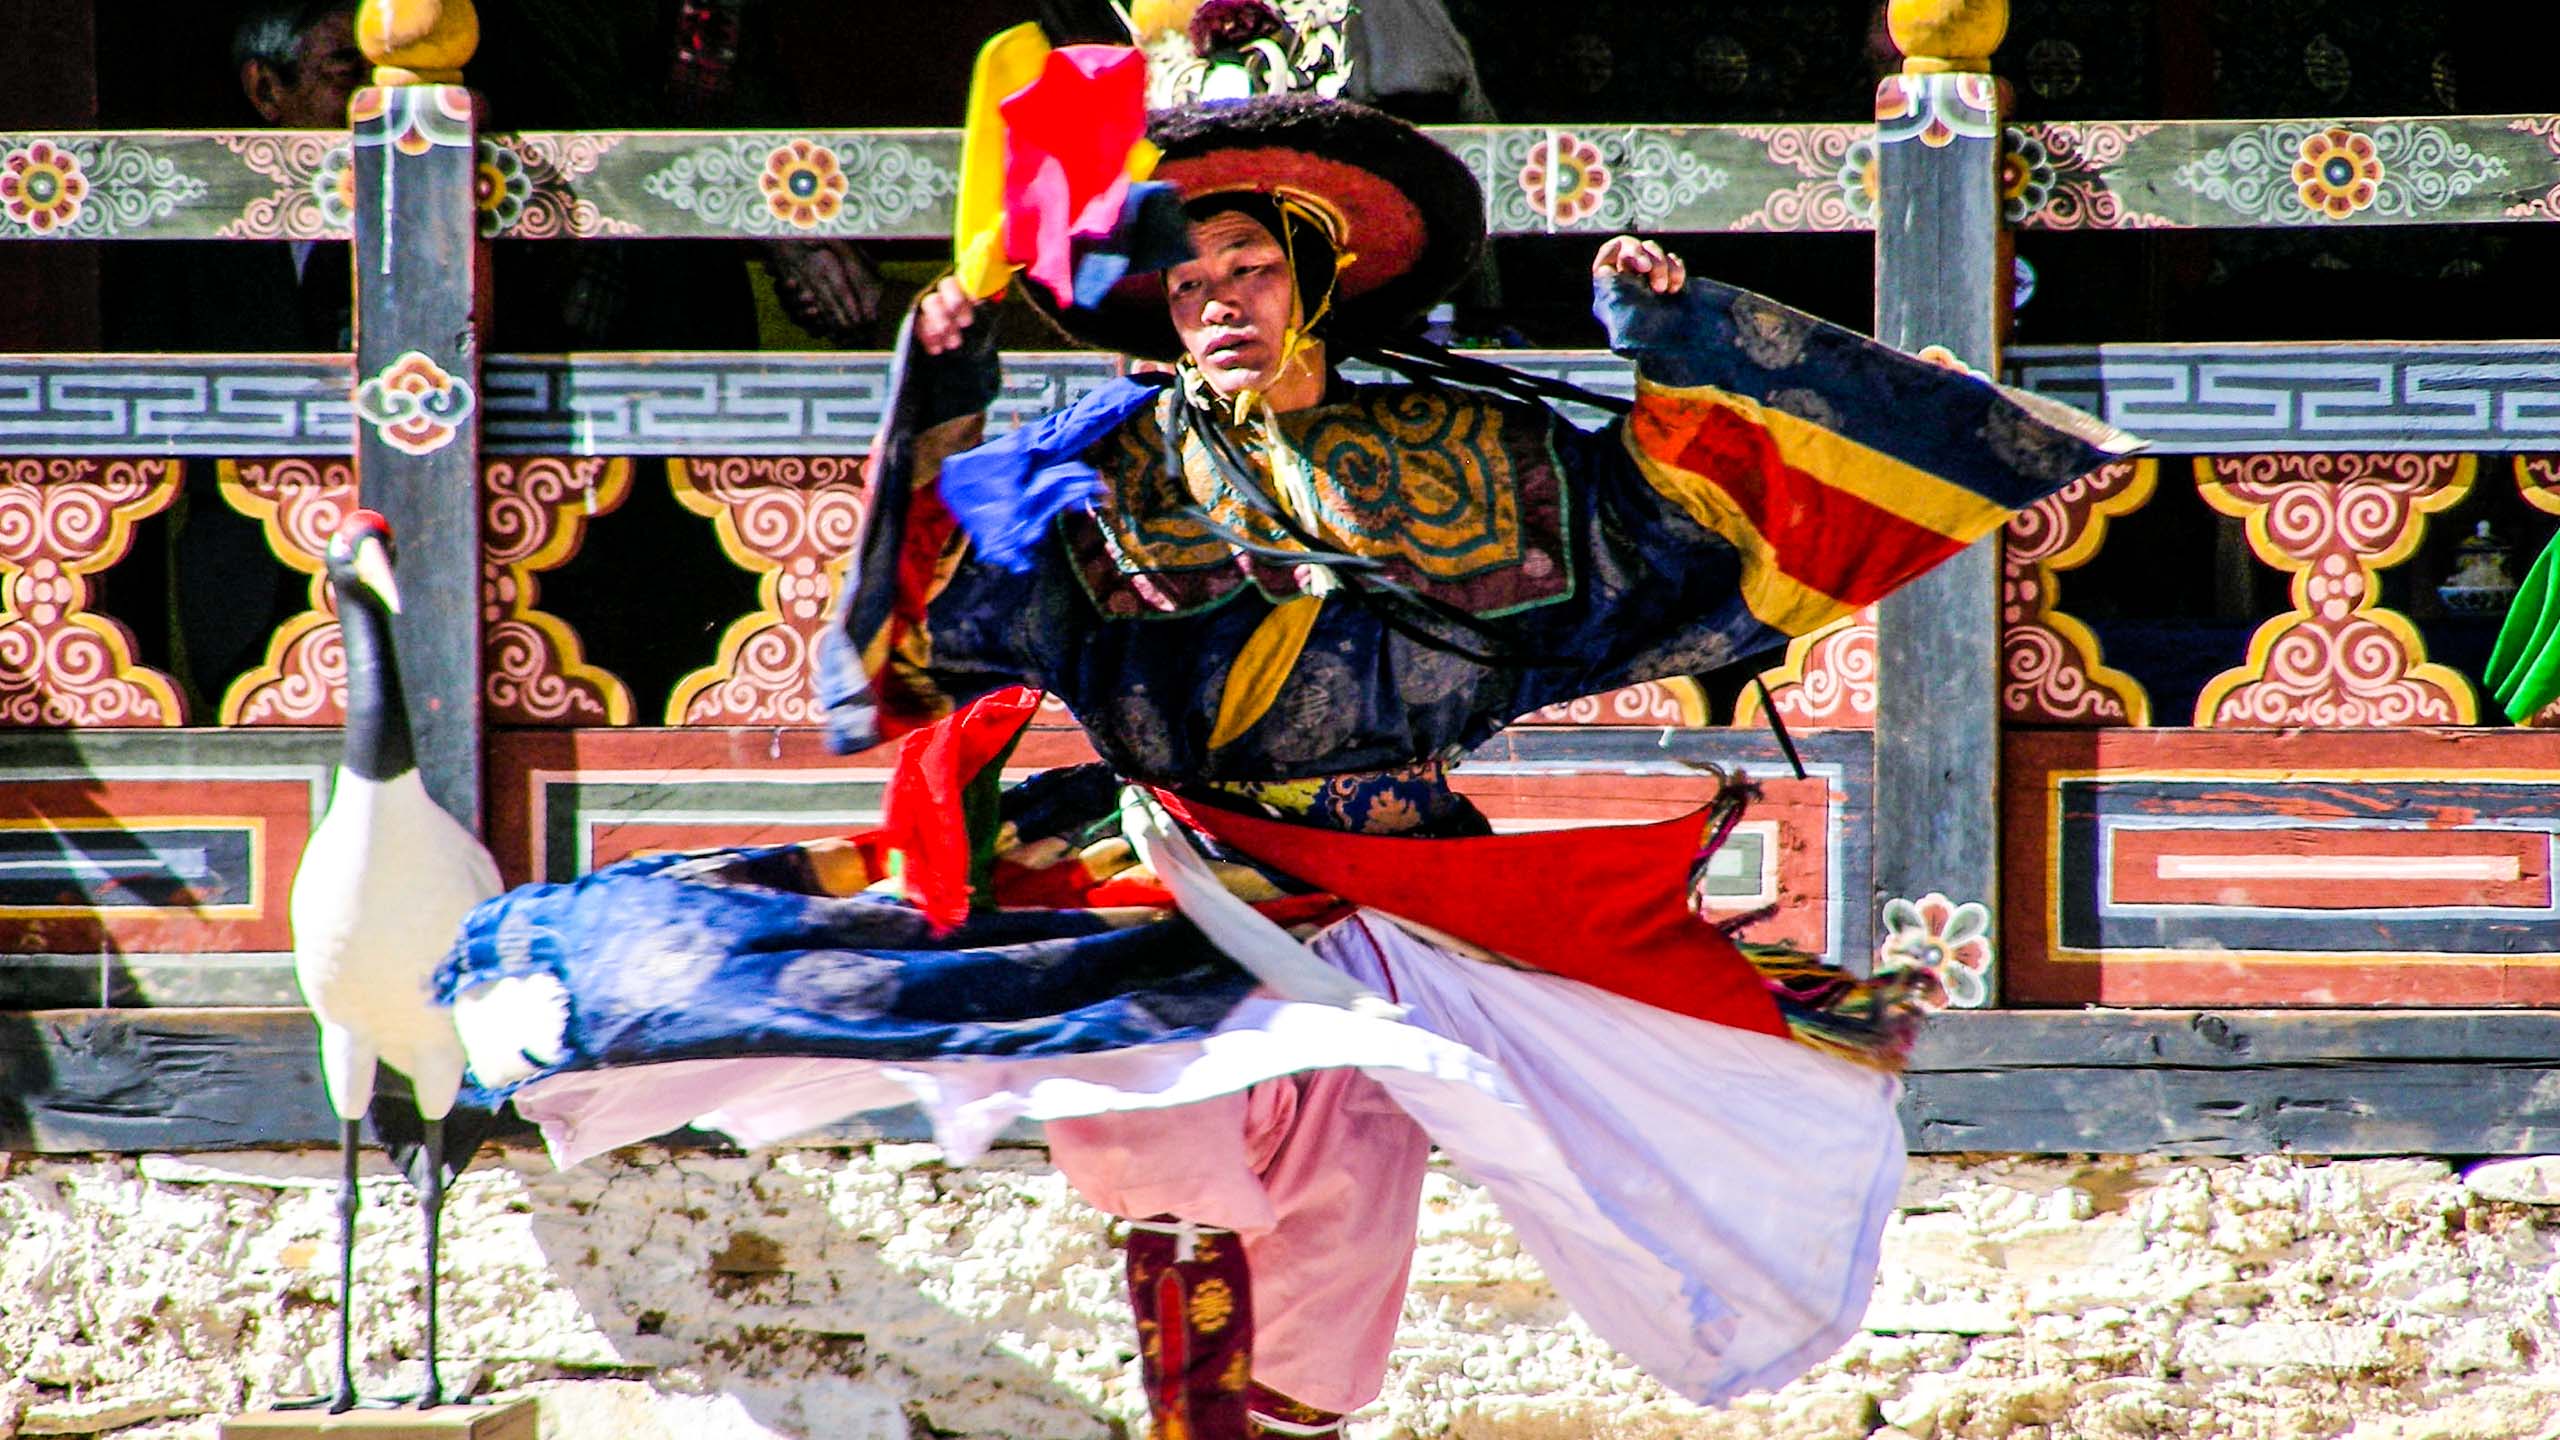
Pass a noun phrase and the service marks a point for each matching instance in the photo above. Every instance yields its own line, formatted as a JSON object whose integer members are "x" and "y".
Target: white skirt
{"x": 1710, "y": 1200}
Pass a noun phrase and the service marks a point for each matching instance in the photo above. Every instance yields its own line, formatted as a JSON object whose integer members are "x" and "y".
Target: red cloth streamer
{"x": 1067, "y": 138}
{"x": 925, "y": 815}
{"x": 905, "y": 691}
{"x": 1621, "y": 891}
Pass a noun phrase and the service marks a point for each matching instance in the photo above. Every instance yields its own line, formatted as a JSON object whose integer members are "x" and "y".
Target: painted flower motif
{"x": 415, "y": 405}
{"x": 333, "y": 188}
{"x": 1898, "y": 97}
{"x": 41, "y": 186}
{"x": 803, "y": 184}
{"x": 1948, "y": 942}
{"x": 1977, "y": 98}
{"x": 1564, "y": 178}
{"x": 2026, "y": 175}
{"x": 500, "y": 187}
{"x": 1858, "y": 183}
{"x": 2338, "y": 172}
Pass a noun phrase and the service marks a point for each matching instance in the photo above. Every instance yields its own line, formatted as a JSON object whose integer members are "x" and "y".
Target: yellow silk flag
{"x": 1006, "y": 63}
{"x": 1013, "y": 69}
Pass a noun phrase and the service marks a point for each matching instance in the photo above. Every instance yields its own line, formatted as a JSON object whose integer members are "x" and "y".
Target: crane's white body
{"x": 384, "y": 885}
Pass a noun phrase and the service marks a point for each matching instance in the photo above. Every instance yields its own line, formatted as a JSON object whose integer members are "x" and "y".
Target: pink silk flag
{"x": 1068, "y": 138}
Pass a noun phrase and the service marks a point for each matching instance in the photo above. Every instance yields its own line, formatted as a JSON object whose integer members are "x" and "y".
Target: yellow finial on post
{"x": 418, "y": 42}
{"x": 1942, "y": 35}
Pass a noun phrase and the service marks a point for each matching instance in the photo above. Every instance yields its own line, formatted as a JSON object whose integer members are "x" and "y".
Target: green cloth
{"x": 2524, "y": 666}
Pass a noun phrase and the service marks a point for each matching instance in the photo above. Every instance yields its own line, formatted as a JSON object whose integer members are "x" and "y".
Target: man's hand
{"x": 1627, "y": 255}
{"x": 943, "y": 316}
{"x": 828, "y": 285}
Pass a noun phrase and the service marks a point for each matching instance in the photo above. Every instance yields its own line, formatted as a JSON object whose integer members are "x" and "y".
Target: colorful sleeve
{"x": 957, "y": 586}
{"x": 876, "y": 665}
{"x": 1836, "y": 467}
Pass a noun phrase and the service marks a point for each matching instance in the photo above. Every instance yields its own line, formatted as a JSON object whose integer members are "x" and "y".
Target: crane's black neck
{"x": 378, "y": 745}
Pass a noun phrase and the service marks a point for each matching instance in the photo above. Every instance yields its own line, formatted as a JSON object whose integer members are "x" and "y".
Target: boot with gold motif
{"x": 1194, "y": 1301}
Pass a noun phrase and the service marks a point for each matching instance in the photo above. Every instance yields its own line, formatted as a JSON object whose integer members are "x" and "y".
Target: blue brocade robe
{"x": 1777, "y": 473}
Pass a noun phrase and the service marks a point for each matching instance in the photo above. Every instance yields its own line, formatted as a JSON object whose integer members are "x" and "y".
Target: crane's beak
{"x": 373, "y": 567}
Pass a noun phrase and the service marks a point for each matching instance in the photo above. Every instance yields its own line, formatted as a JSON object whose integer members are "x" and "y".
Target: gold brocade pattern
{"x": 1398, "y": 801}
{"x": 1423, "y": 479}
{"x": 1454, "y": 493}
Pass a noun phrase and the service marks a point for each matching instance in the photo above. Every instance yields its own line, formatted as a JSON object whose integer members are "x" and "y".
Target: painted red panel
{"x": 237, "y": 916}
{"x": 523, "y": 764}
{"x": 621, "y": 842}
{"x": 2384, "y": 971}
{"x": 2322, "y": 868}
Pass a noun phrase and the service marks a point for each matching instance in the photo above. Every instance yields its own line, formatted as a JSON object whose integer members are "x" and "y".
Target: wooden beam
{"x": 2236, "y": 1083}
{"x": 1941, "y": 281}
{"x": 132, "y": 1080}
{"x": 2188, "y": 399}
{"x": 421, "y": 294}
{"x": 2240, "y": 1082}
{"x": 125, "y": 981}
{"x": 53, "y": 86}
{"x": 2039, "y": 1040}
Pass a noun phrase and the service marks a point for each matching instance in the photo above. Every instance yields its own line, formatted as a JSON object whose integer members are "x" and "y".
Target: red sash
{"x": 1607, "y": 905}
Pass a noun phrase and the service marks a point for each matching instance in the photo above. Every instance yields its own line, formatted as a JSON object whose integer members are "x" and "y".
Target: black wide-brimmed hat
{"x": 1409, "y": 213}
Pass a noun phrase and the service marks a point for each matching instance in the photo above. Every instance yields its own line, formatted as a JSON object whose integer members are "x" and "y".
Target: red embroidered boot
{"x": 1195, "y": 1328}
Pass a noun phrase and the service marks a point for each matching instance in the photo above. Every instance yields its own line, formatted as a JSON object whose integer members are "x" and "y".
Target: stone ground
{"x": 873, "y": 1294}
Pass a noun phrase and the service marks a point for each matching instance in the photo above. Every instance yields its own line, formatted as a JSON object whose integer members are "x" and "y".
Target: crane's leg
{"x": 431, "y": 1197}
{"x": 347, "y": 1069}
{"x": 347, "y": 1202}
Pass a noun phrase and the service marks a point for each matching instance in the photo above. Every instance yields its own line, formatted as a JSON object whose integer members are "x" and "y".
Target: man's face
{"x": 1233, "y": 303}
{"x": 328, "y": 70}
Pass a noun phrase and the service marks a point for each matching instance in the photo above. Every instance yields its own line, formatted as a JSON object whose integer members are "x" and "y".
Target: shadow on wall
{"x": 813, "y": 1293}
{"x": 26, "y": 1075}
{"x": 653, "y": 1294}
{"x": 59, "y": 850}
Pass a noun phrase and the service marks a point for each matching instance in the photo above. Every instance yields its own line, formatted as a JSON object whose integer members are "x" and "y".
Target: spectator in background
{"x": 827, "y": 287}
{"x": 297, "y": 66}
{"x": 630, "y": 65}
{"x": 1408, "y": 59}
{"x": 598, "y": 64}
{"x": 298, "y": 63}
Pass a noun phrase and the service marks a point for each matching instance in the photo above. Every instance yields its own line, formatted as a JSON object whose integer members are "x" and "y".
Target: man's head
{"x": 1237, "y": 301}
{"x": 298, "y": 63}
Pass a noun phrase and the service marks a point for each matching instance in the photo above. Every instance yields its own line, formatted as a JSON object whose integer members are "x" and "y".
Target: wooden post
{"x": 421, "y": 277}
{"x": 52, "y": 289}
{"x": 1942, "y": 274}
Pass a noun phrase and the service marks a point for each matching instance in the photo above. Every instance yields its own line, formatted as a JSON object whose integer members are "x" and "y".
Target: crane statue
{"x": 383, "y": 887}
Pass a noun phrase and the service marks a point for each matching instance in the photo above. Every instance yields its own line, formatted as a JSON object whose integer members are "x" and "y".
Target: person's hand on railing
{"x": 1627, "y": 255}
{"x": 829, "y": 286}
{"x": 943, "y": 316}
